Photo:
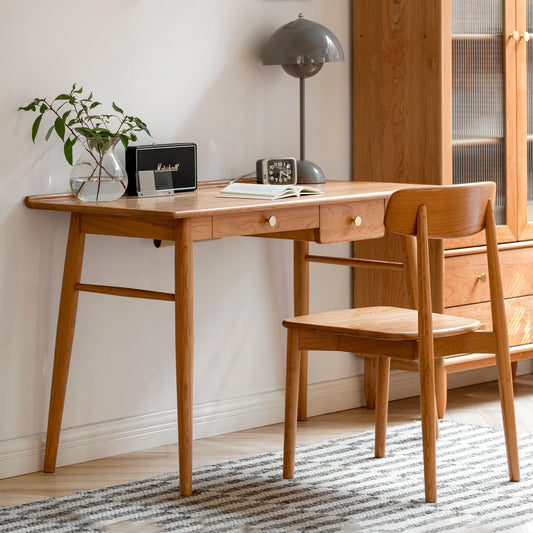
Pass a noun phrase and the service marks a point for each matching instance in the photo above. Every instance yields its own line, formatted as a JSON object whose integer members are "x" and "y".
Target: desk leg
{"x": 66, "y": 322}
{"x": 301, "y": 307}
{"x": 184, "y": 348}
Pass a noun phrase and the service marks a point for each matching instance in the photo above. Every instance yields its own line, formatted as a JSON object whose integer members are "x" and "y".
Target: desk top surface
{"x": 203, "y": 201}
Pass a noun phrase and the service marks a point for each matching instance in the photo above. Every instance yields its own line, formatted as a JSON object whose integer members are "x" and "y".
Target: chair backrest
{"x": 448, "y": 212}
{"x": 452, "y": 210}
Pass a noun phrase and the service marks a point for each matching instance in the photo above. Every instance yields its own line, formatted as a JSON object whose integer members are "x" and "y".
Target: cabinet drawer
{"x": 268, "y": 220}
{"x": 351, "y": 221}
{"x": 463, "y": 276}
{"x": 519, "y": 312}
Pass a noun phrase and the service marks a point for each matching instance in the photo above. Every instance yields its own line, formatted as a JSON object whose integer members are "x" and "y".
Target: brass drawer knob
{"x": 515, "y": 35}
{"x": 271, "y": 221}
{"x": 482, "y": 277}
{"x": 357, "y": 221}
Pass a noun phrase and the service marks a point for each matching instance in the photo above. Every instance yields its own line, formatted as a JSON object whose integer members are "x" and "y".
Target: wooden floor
{"x": 476, "y": 404}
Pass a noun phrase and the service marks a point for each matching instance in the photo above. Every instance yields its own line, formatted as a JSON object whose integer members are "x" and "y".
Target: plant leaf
{"x": 32, "y": 106}
{"x": 67, "y": 150}
{"x": 124, "y": 140}
{"x": 141, "y": 125}
{"x": 117, "y": 109}
{"x": 59, "y": 125}
{"x": 35, "y": 127}
{"x": 49, "y": 132}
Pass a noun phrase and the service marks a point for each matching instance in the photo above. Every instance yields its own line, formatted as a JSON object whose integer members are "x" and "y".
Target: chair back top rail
{"x": 452, "y": 211}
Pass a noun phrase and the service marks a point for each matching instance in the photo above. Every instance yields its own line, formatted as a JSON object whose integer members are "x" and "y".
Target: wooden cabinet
{"x": 443, "y": 93}
{"x": 465, "y": 279}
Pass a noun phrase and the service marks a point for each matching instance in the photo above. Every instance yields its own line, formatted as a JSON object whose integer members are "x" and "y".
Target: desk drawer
{"x": 268, "y": 220}
{"x": 463, "y": 276}
{"x": 519, "y": 313}
{"x": 352, "y": 221}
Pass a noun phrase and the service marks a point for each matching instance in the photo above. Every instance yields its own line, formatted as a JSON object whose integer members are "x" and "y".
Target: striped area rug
{"x": 338, "y": 486}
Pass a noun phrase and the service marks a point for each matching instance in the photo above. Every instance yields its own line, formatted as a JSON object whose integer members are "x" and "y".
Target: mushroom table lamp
{"x": 302, "y": 47}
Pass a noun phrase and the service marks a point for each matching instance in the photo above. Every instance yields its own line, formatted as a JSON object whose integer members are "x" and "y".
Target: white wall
{"x": 192, "y": 71}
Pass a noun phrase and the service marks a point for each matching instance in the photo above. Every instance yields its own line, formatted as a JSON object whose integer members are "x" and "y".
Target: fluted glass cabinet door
{"x": 478, "y": 96}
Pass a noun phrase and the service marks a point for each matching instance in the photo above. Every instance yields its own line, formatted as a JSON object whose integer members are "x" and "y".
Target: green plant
{"x": 76, "y": 119}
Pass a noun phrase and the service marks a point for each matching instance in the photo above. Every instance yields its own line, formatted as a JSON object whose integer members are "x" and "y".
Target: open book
{"x": 266, "y": 192}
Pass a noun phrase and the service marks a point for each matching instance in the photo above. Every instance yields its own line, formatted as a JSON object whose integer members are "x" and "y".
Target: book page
{"x": 265, "y": 191}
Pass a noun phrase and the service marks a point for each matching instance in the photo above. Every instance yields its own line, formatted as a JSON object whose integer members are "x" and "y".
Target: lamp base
{"x": 309, "y": 172}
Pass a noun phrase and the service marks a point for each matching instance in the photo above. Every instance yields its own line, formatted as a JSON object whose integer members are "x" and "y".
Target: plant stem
{"x": 120, "y": 125}
{"x": 76, "y": 135}
{"x": 84, "y": 128}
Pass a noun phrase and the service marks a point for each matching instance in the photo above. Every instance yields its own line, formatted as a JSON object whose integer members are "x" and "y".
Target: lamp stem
{"x": 302, "y": 119}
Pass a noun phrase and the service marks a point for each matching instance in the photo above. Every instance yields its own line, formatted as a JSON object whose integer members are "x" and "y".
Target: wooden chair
{"x": 415, "y": 335}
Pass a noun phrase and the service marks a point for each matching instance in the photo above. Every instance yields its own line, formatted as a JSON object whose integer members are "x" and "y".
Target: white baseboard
{"x": 25, "y": 454}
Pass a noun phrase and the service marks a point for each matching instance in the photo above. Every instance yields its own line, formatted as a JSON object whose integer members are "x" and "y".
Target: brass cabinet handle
{"x": 271, "y": 221}
{"x": 516, "y": 36}
{"x": 482, "y": 277}
{"x": 357, "y": 221}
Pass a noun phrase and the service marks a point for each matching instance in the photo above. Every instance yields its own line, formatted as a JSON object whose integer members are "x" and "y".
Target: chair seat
{"x": 390, "y": 323}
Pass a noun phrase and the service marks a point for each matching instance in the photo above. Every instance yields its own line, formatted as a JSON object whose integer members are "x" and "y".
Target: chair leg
{"x": 291, "y": 403}
{"x": 429, "y": 426}
{"x": 441, "y": 384}
{"x": 505, "y": 385}
{"x": 503, "y": 357}
{"x": 370, "y": 382}
{"x": 382, "y": 405}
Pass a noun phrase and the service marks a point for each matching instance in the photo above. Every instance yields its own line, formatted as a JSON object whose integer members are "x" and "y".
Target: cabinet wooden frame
{"x": 402, "y": 123}
{"x": 525, "y": 228}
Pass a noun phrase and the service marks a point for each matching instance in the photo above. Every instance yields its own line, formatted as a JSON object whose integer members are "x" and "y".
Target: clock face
{"x": 277, "y": 171}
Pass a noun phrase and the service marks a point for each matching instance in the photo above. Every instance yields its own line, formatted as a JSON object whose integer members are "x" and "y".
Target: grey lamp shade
{"x": 302, "y": 47}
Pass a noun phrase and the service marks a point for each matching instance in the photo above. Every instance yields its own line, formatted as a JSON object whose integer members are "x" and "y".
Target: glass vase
{"x": 98, "y": 175}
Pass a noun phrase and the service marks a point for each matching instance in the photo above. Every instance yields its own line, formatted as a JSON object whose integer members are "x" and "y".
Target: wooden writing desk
{"x": 347, "y": 211}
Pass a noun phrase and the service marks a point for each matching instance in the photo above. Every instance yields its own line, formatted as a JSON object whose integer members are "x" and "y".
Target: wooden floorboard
{"x": 476, "y": 404}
